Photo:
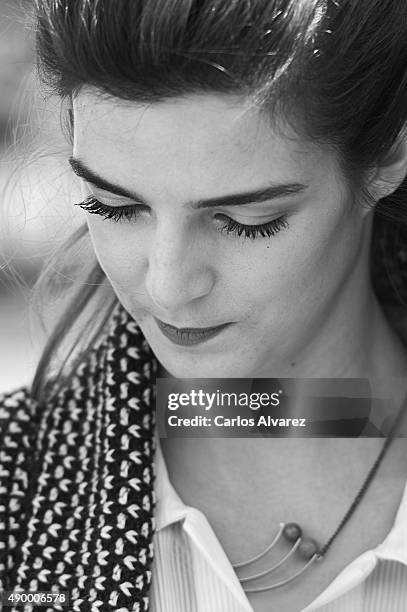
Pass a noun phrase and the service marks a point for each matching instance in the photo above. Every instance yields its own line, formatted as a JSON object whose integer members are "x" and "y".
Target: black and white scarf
{"x": 76, "y": 480}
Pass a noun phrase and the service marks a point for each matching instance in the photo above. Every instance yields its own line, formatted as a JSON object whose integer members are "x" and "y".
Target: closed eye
{"x": 115, "y": 213}
{"x": 131, "y": 212}
{"x": 267, "y": 229}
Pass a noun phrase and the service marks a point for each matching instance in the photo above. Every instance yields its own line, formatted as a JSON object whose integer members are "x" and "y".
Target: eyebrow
{"x": 262, "y": 194}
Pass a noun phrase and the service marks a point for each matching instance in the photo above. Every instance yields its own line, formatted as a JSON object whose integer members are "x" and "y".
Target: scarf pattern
{"x": 77, "y": 480}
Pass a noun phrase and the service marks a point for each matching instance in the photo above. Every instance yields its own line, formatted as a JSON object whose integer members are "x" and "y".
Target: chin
{"x": 202, "y": 366}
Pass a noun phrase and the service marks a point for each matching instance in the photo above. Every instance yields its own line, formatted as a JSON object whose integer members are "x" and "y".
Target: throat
{"x": 254, "y": 485}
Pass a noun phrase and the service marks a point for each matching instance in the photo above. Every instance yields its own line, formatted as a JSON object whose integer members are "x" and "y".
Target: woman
{"x": 243, "y": 168}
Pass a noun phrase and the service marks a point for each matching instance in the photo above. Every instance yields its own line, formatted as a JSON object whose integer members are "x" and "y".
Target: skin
{"x": 300, "y": 301}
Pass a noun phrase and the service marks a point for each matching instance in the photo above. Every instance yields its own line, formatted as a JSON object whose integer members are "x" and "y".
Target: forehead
{"x": 209, "y": 142}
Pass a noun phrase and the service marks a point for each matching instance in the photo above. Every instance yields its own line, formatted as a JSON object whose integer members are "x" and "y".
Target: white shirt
{"x": 191, "y": 572}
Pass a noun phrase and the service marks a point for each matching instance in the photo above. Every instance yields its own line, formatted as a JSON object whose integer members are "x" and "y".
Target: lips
{"x": 187, "y": 336}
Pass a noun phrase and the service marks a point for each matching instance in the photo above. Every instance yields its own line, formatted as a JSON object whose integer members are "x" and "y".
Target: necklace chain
{"x": 293, "y": 532}
{"x": 369, "y": 477}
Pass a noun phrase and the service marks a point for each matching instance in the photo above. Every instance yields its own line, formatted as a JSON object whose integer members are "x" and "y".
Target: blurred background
{"x": 37, "y": 190}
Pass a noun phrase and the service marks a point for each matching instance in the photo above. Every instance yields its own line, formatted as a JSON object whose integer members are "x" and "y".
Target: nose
{"x": 178, "y": 271}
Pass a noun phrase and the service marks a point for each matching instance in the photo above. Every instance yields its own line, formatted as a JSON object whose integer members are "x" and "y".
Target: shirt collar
{"x": 169, "y": 507}
{"x": 393, "y": 548}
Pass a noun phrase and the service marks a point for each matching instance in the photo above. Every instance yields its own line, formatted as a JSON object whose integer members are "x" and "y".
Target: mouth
{"x": 188, "y": 336}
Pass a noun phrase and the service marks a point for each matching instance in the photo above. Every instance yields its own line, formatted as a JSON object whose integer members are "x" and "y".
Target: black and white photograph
{"x": 203, "y": 305}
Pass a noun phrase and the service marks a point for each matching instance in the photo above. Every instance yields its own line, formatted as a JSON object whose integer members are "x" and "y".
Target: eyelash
{"x": 128, "y": 213}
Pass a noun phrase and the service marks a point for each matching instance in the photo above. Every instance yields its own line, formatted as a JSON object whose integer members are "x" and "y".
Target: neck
{"x": 360, "y": 344}
{"x": 354, "y": 339}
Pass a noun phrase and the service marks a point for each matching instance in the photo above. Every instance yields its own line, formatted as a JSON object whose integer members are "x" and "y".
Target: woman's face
{"x": 192, "y": 172}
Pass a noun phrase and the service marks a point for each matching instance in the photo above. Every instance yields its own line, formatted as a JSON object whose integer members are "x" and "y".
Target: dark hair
{"x": 338, "y": 68}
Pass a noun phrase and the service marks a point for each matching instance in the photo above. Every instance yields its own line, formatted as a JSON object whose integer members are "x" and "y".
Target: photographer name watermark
{"x": 222, "y": 421}
{"x": 237, "y": 407}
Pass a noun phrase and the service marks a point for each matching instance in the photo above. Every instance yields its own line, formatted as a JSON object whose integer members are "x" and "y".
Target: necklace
{"x": 307, "y": 549}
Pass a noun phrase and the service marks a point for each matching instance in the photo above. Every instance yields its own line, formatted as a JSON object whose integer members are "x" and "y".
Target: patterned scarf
{"x": 76, "y": 480}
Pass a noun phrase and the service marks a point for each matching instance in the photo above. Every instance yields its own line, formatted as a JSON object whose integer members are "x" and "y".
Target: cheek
{"x": 304, "y": 266}
{"x": 119, "y": 252}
